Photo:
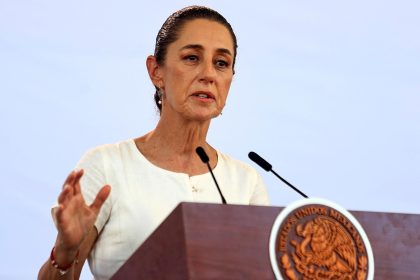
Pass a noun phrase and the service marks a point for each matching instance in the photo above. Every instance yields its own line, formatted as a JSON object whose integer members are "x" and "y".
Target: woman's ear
{"x": 154, "y": 71}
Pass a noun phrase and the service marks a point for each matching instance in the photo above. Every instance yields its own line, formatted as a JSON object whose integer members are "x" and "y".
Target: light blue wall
{"x": 328, "y": 91}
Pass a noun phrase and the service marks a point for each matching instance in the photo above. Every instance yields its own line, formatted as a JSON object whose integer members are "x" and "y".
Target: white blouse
{"x": 143, "y": 195}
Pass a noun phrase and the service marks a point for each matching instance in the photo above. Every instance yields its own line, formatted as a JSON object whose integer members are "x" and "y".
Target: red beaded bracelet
{"x": 62, "y": 269}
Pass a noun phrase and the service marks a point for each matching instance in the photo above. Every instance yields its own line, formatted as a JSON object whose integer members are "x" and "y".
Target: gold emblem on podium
{"x": 316, "y": 239}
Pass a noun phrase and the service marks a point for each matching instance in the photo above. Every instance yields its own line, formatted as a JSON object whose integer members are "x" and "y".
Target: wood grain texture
{"x": 212, "y": 241}
{"x": 233, "y": 246}
{"x": 395, "y": 240}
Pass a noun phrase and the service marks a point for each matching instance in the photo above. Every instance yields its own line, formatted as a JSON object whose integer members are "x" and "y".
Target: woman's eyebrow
{"x": 192, "y": 46}
{"x": 200, "y": 47}
{"x": 225, "y": 51}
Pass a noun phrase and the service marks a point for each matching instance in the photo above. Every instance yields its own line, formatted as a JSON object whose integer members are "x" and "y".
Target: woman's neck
{"x": 172, "y": 146}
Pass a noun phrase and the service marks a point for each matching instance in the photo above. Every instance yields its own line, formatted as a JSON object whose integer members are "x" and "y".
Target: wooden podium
{"x": 213, "y": 241}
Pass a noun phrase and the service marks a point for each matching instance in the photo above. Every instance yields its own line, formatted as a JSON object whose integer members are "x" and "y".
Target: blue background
{"x": 328, "y": 91}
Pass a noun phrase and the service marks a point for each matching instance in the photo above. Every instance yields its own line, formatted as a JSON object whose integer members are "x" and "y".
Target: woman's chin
{"x": 203, "y": 116}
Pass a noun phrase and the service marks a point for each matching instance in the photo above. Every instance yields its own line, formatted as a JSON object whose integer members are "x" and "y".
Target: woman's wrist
{"x": 64, "y": 255}
{"x": 60, "y": 265}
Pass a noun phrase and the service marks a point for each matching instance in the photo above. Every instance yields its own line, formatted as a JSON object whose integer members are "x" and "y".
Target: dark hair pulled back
{"x": 169, "y": 33}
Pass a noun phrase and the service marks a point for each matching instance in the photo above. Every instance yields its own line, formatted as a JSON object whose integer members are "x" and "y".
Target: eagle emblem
{"x": 315, "y": 242}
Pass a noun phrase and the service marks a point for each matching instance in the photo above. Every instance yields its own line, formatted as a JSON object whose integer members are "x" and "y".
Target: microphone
{"x": 268, "y": 167}
{"x": 205, "y": 159}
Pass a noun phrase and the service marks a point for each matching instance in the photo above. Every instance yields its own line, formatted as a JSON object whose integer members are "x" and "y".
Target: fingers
{"x": 73, "y": 177}
{"x": 71, "y": 196}
{"x": 74, "y": 180}
{"x": 76, "y": 183}
{"x": 69, "y": 178}
{"x": 71, "y": 186}
{"x": 100, "y": 198}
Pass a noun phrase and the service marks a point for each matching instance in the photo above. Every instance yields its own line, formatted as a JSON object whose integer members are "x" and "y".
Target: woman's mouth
{"x": 204, "y": 95}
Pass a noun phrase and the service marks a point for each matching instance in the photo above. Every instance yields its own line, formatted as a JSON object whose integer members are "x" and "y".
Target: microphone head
{"x": 260, "y": 161}
{"x": 202, "y": 154}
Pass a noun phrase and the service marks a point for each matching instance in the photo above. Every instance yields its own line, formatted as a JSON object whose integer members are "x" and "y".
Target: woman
{"x": 192, "y": 70}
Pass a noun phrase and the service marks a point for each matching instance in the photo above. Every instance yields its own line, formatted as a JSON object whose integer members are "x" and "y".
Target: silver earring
{"x": 160, "y": 95}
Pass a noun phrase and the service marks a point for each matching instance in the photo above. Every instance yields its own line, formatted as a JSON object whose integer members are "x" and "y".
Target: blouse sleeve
{"x": 259, "y": 196}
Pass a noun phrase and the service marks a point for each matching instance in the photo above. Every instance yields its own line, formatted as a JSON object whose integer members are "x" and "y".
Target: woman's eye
{"x": 191, "y": 58}
{"x": 222, "y": 64}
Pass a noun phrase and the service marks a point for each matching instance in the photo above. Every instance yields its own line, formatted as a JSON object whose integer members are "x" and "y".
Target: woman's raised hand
{"x": 74, "y": 218}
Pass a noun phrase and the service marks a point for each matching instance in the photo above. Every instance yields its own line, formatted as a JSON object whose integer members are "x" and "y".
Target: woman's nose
{"x": 208, "y": 72}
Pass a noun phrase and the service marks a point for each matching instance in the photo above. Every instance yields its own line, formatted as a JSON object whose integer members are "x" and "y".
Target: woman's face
{"x": 197, "y": 71}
